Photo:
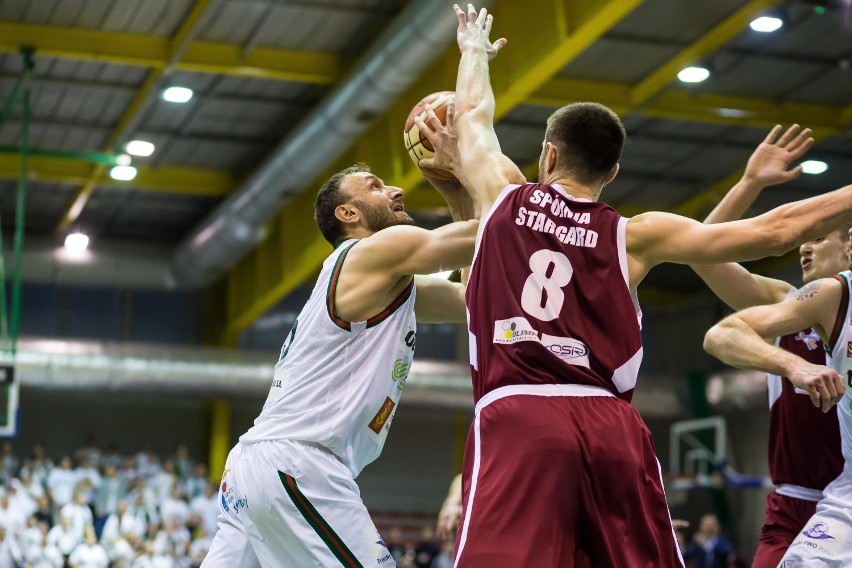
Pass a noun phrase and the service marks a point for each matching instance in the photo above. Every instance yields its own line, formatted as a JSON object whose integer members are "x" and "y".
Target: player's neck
{"x": 574, "y": 188}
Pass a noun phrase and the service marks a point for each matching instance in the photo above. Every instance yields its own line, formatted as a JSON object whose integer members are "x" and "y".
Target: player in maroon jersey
{"x": 559, "y": 467}
{"x": 804, "y": 444}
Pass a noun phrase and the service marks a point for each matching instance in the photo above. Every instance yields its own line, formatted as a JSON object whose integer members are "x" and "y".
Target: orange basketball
{"x": 416, "y": 143}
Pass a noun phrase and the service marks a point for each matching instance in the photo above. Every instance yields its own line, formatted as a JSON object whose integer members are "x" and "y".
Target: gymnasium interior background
{"x": 166, "y": 327}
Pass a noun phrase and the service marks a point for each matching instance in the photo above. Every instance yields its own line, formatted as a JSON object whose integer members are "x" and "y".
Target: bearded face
{"x": 379, "y": 216}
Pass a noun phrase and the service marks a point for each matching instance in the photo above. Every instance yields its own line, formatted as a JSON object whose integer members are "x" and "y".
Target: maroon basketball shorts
{"x": 560, "y": 476}
{"x": 785, "y": 519}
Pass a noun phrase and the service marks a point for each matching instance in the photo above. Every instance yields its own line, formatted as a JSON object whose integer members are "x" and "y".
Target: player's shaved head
{"x": 590, "y": 138}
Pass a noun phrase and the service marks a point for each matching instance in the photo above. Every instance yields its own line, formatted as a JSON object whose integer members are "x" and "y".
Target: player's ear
{"x": 611, "y": 176}
{"x": 347, "y": 213}
{"x": 551, "y": 157}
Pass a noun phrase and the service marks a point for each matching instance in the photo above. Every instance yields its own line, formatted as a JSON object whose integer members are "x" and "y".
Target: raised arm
{"x": 656, "y": 237}
{"x": 770, "y": 164}
{"x": 487, "y": 170}
{"x": 736, "y": 340}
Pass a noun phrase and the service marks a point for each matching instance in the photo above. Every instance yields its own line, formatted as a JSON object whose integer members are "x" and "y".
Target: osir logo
{"x": 572, "y": 351}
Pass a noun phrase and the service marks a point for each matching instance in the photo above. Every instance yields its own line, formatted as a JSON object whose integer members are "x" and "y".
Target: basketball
{"x": 417, "y": 145}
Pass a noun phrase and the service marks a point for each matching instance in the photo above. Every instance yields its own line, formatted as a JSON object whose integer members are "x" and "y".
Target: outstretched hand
{"x": 770, "y": 162}
{"x": 474, "y": 30}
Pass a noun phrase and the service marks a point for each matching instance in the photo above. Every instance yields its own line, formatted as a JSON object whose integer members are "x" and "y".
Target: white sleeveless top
{"x": 840, "y": 345}
{"x": 337, "y": 383}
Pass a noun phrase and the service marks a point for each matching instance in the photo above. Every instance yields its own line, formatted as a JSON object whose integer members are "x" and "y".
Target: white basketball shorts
{"x": 285, "y": 504}
{"x": 826, "y": 539}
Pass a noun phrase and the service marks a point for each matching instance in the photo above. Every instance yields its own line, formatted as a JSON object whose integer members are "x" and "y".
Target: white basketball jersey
{"x": 337, "y": 383}
{"x": 840, "y": 344}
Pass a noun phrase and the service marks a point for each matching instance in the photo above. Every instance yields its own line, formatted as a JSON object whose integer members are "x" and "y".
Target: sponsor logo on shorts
{"x": 382, "y": 415}
{"x": 572, "y": 351}
{"x": 513, "y": 330}
{"x": 818, "y": 531}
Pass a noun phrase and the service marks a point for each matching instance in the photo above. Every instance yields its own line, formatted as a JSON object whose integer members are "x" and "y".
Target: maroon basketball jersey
{"x": 804, "y": 442}
{"x": 548, "y": 297}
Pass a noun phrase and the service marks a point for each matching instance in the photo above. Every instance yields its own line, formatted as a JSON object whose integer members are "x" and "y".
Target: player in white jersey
{"x": 288, "y": 496}
{"x": 826, "y": 539}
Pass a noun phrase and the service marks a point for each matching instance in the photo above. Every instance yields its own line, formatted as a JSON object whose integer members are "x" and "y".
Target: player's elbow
{"x": 714, "y": 339}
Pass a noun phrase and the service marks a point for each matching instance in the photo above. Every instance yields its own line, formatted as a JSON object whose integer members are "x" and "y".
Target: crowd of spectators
{"x": 100, "y": 509}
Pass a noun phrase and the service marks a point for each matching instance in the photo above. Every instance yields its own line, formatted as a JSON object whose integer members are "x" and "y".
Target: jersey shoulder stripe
{"x": 841, "y": 312}
{"x": 332, "y": 290}
{"x": 394, "y": 306}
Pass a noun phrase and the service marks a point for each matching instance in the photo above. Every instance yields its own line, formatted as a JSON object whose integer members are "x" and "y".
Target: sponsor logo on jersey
{"x": 513, "y": 330}
{"x": 819, "y": 531}
{"x": 810, "y": 339}
{"x": 849, "y": 349}
{"x": 572, "y": 351}
{"x": 400, "y": 373}
{"x": 382, "y": 415}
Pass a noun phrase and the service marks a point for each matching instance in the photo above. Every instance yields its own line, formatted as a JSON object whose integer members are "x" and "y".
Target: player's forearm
{"x": 736, "y": 202}
{"x": 812, "y": 218}
{"x": 474, "y": 96}
{"x": 732, "y": 284}
{"x": 733, "y": 342}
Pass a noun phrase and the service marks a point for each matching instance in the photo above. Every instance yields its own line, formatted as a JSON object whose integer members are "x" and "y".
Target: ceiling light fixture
{"x": 177, "y": 94}
{"x": 141, "y": 148}
{"x": 122, "y": 173}
{"x": 766, "y": 24}
{"x": 76, "y": 242}
{"x": 693, "y": 74}
{"x": 814, "y": 167}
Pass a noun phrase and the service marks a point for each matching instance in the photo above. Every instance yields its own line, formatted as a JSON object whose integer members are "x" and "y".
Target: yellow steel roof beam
{"x": 170, "y": 179}
{"x": 153, "y": 51}
{"x": 545, "y": 36}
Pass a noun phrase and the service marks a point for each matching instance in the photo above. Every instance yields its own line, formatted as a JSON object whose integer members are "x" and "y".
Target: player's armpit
{"x": 438, "y": 300}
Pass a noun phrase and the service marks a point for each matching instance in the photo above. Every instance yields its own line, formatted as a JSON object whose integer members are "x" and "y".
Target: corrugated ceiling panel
{"x": 619, "y": 60}
{"x": 675, "y": 20}
{"x": 234, "y": 22}
{"x": 759, "y": 76}
{"x": 805, "y": 35}
{"x": 215, "y": 154}
{"x": 45, "y": 203}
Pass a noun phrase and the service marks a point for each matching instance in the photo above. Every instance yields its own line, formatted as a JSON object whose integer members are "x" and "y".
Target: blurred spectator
{"x": 183, "y": 463}
{"x": 164, "y": 481}
{"x": 112, "y": 489}
{"x": 79, "y": 513}
{"x": 43, "y": 554}
{"x": 195, "y": 484}
{"x": 112, "y": 456}
{"x": 61, "y": 482}
{"x": 120, "y": 524}
{"x": 395, "y": 544}
{"x": 44, "y": 513}
{"x": 426, "y": 550}
{"x": 709, "y": 548}
{"x": 206, "y": 506}
{"x": 89, "y": 554}
{"x": 88, "y": 452}
{"x": 445, "y": 557}
{"x": 10, "y": 554}
{"x": 88, "y": 478}
{"x": 174, "y": 509}
{"x": 63, "y": 536}
{"x": 9, "y": 462}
